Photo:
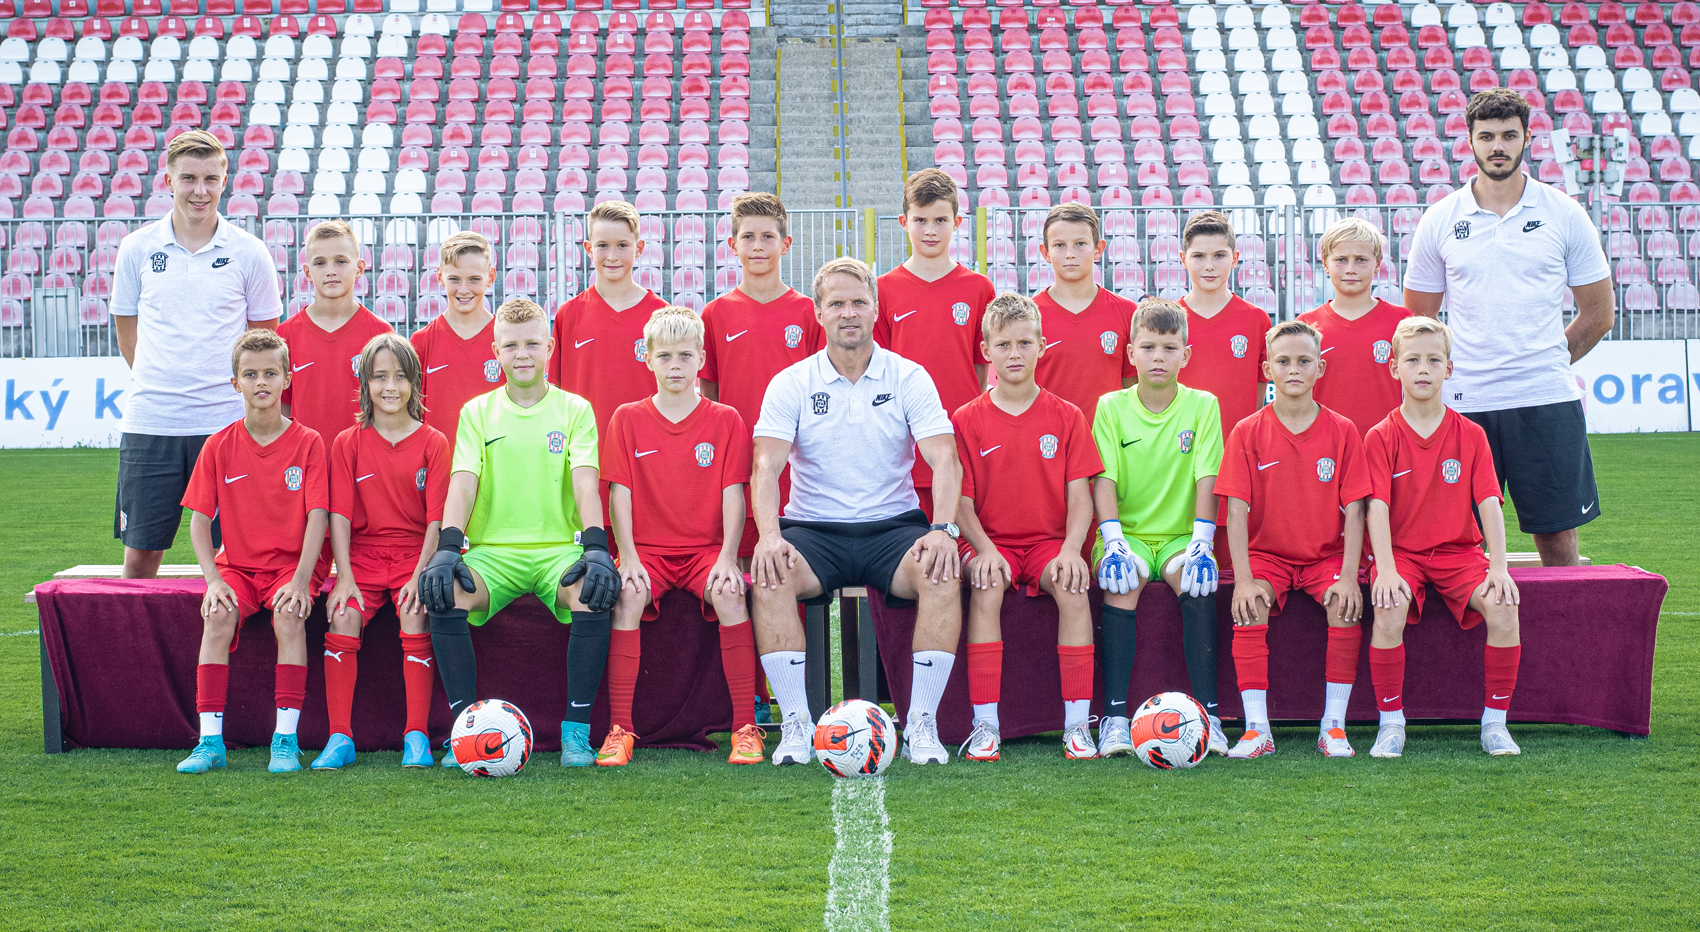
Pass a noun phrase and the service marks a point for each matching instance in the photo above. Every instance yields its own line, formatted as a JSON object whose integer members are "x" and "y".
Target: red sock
{"x": 1343, "y": 647}
{"x": 1076, "y": 664}
{"x": 1387, "y": 673}
{"x": 1251, "y": 656}
{"x": 342, "y": 664}
{"x": 737, "y": 658}
{"x": 1500, "y": 666}
{"x": 212, "y": 684}
{"x": 417, "y": 679}
{"x": 985, "y": 672}
{"x": 291, "y": 688}
{"x": 625, "y": 648}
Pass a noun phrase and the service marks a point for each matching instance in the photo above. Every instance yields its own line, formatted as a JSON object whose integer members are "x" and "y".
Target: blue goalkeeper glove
{"x": 445, "y": 569}
{"x": 1198, "y": 573}
{"x": 601, "y": 580}
{"x": 1121, "y": 570}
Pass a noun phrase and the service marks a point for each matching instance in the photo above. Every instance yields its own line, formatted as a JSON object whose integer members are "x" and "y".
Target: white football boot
{"x": 1389, "y": 741}
{"x": 921, "y": 741}
{"x": 982, "y": 743}
{"x": 1333, "y": 743}
{"x": 796, "y": 741}
{"x": 1252, "y": 744}
{"x": 1115, "y": 736}
{"x": 1496, "y": 740}
{"x": 1077, "y": 742}
{"x": 1218, "y": 740}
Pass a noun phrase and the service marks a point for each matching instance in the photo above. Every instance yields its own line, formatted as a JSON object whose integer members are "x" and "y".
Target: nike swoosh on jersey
{"x": 1262, "y": 466}
{"x": 298, "y": 368}
{"x": 577, "y": 344}
{"x": 984, "y": 452}
{"x": 431, "y": 369}
{"x": 1398, "y": 474}
{"x": 1049, "y": 345}
{"x": 643, "y": 453}
{"x": 1325, "y": 351}
{"x": 493, "y": 440}
{"x": 733, "y": 336}
{"x": 365, "y": 477}
{"x": 229, "y": 479}
{"x": 897, "y": 317}
{"x": 1129, "y": 443}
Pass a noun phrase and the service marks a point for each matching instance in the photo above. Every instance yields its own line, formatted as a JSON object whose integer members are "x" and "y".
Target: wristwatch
{"x": 951, "y": 529}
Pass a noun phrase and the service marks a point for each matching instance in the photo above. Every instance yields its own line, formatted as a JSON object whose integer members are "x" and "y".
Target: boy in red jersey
{"x": 1295, "y": 479}
{"x": 1435, "y": 498}
{"x": 454, "y": 350}
{"x": 1226, "y": 329}
{"x": 1357, "y": 327}
{"x": 1027, "y": 463}
{"x": 266, "y": 476}
{"x": 930, "y": 306}
{"x": 1087, "y": 325}
{"x": 677, "y": 465}
{"x": 325, "y": 341}
{"x": 599, "y": 346}
{"x": 389, "y": 475}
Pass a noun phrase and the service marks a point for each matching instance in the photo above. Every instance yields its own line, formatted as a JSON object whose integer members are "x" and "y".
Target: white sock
{"x": 1492, "y": 716}
{"x": 987, "y": 712}
{"x": 1076, "y": 712}
{"x": 930, "y": 673}
{"x": 1334, "y": 706}
{"x": 785, "y": 672}
{"x": 287, "y": 719}
{"x": 1395, "y": 717}
{"x": 1256, "y": 703}
{"x": 212, "y": 724}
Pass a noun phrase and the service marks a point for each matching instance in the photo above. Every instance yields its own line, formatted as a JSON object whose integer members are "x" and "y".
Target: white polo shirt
{"x": 1504, "y": 279}
{"x": 190, "y": 308}
{"x": 852, "y": 444}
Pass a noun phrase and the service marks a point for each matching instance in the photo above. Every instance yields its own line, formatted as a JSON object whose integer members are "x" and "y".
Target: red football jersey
{"x": 264, "y": 494}
{"x": 600, "y": 354}
{"x": 324, "y": 391}
{"x": 746, "y": 344}
{"x": 1086, "y": 353}
{"x": 1227, "y": 357}
{"x": 1017, "y": 468}
{"x": 389, "y": 492}
{"x": 1298, "y": 485}
{"x": 677, "y": 472}
{"x": 455, "y": 371}
{"x": 1357, "y": 383}
{"x": 1431, "y": 486}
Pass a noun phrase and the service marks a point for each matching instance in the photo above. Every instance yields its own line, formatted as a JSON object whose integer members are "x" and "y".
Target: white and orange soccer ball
{"x": 1171, "y": 731}
{"x": 491, "y": 738}
{"x": 855, "y": 738}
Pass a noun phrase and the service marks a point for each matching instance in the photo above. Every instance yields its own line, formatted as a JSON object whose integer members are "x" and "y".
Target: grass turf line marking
{"x": 859, "y": 877}
{"x": 18, "y": 634}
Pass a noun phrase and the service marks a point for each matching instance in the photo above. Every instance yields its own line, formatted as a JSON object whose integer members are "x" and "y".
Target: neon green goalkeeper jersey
{"x": 524, "y": 458}
{"x": 1156, "y": 460}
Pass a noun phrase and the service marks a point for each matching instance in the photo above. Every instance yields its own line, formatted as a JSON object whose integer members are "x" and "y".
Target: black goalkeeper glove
{"x": 596, "y": 568}
{"x": 443, "y": 570}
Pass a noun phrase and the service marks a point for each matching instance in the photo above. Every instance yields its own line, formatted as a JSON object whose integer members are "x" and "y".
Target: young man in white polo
{"x": 849, "y": 420}
{"x": 185, "y": 288}
{"x": 1500, "y": 252}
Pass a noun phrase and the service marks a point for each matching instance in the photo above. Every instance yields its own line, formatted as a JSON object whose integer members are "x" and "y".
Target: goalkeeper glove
{"x": 1121, "y": 570}
{"x": 1198, "y": 577}
{"x": 596, "y": 568}
{"x": 443, "y": 571}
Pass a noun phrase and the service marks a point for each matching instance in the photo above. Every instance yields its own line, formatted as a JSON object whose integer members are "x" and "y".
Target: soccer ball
{"x": 491, "y": 738}
{"x": 1171, "y": 731}
{"x": 855, "y": 738}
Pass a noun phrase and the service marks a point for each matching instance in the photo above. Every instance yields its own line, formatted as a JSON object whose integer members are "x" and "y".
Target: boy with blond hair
{"x": 1357, "y": 327}
{"x": 326, "y": 339}
{"x": 454, "y": 350}
{"x": 1086, "y": 325}
{"x": 1434, "y": 500}
{"x": 266, "y": 476}
{"x": 677, "y": 465}
{"x": 1027, "y": 463}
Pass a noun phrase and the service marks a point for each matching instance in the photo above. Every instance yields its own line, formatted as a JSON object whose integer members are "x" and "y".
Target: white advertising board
{"x": 63, "y": 402}
{"x": 1634, "y": 386}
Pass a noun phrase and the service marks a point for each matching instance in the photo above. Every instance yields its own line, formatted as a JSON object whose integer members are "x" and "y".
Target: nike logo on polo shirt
{"x": 493, "y": 440}
{"x": 898, "y": 317}
{"x": 1129, "y": 443}
{"x": 229, "y": 479}
{"x": 881, "y": 399}
{"x": 299, "y": 368}
{"x": 577, "y": 344}
{"x": 1398, "y": 474}
{"x": 221, "y": 262}
{"x": 984, "y": 452}
{"x": 1262, "y": 466}
{"x": 733, "y": 336}
{"x": 1532, "y": 226}
{"x": 365, "y": 477}
{"x": 431, "y": 369}
{"x": 643, "y": 453}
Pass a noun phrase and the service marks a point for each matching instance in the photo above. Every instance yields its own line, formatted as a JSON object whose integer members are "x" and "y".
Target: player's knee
{"x": 1390, "y": 620}
{"x": 289, "y": 624}
{"x": 220, "y": 624}
{"x": 1127, "y": 601}
{"x": 1501, "y": 619}
{"x": 1067, "y": 600}
{"x": 728, "y": 606}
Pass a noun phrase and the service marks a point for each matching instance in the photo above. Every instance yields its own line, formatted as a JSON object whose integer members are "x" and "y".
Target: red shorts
{"x": 1455, "y": 573}
{"x": 1026, "y": 564}
{"x": 381, "y": 570}
{"x": 686, "y": 571}
{"x": 1284, "y": 577}
{"x": 255, "y": 590}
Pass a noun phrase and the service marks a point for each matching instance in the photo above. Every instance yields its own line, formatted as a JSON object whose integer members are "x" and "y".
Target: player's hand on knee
{"x": 1499, "y": 587}
{"x": 346, "y": 591}
{"x": 938, "y": 555}
{"x": 1121, "y": 570}
{"x": 444, "y": 571}
{"x": 1070, "y": 573}
{"x": 1389, "y": 590}
{"x": 1198, "y": 569}
{"x": 219, "y": 595}
{"x": 773, "y": 557}
{"x": 596, "y": 568}
{"x": 407, "y": 600}
{"x": 292, "y": 598}
{"x": 633, "y": 577}
{"x": 1250, "y": 602}
{"x": 988, "y": 570}
{"x": 1344, "y": 600}
{"x": 726, "y": 578}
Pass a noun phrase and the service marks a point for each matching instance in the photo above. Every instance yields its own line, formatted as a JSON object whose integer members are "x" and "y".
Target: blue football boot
{"x": 575, "y": 745}
{"x": 449, "y": 757}
{"x": 764, "y": 712}
{"x": 338, "y": 753}
{"x": 207, "y": 755}
{"x": 286, "y": 754}
{"x": 416, "y": 750}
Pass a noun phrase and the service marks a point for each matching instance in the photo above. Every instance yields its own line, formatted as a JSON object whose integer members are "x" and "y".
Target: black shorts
{"x": 1541, "y": 454}
{"x": 153, "y": 474}
{"x": 860, "y": 554}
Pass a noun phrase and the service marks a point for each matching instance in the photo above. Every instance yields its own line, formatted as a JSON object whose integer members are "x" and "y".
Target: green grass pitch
{"x": 1586, "y": 830}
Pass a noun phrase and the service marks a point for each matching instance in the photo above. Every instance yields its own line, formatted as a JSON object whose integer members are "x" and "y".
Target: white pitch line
{"x": 859, "y": 877}
{"x": 18, "y": 634}
{"x": 1684, "y": 614}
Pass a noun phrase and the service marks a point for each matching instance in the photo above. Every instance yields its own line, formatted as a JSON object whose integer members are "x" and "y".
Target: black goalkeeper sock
{"x": 1198, "y": 637}
{"x": 587, "y": 655}
{"x": 451, "y": 642}
{"x": 1116, "y": 640}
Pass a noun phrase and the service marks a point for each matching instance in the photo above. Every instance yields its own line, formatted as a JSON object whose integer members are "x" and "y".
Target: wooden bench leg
{"x": 816, "y": 681}
{"x": 52, "y": 728}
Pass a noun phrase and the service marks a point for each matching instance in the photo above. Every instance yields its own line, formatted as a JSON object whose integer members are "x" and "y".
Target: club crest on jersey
{"x": 1382, "y": 351}
{"x": 793, "y": 336}
{"x": 959, "y": 313}
{"x": 1451, "y": 470}
{"x": 1048, "y": 446}
{"x": 705, "y": 454}
{"x": 820, "y": 400}
{"x": 1238, "y": 344}
{"x": 354, "y": 363}
{"x": 292, "y": 478}
{"x": 492, "y": 370}
{"x": 640, "y": 349}
{"x": 419, "y": 480}
{"x": 1461, "y": 230}
{"x": 158, "y": 259}
{"x": 1325, "y": 469}
{"x": 1108, "y": 340}
{"x": 1185, "y": 438}
{"x": 557, "y": 441}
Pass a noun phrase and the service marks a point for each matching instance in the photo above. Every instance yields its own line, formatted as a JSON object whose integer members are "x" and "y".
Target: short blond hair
{"x": 1159, "y": 315}
{"x": 464, "y": 243}
{"x": 195, "y": 144}
{"x": 1010, "y": 308}
{"x": 520, "y": 311}
{"x": 1351, "y": 230}
{"x": 672, "y": 324}
{"x": 257, "y": 340}
{"x": 1292, "y": 328}
{"x": 614, "y": 211}
{"x": 928, "y": 186}
{"x": 845, "y": 265}
{"x": 332, "y": 229}
{"x": 1415, "y": 326}
{"x": 409, "y": 362}
{"x": 760, "y": 204}
{"x": 1073, "y": 212}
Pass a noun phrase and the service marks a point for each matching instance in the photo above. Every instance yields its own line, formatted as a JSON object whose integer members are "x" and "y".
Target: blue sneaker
{"x": 449, "y": 757}
{"x": 338, "y": 753}
{"x": 416, "y": 750}
{"x": 286, "y": 754}
{"x": 207, "y": 755}
{"x": 764, "y": 712}
{"x": 575, "y": 745}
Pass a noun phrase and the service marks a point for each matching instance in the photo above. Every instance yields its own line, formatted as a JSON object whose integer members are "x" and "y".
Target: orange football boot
{"x": 616, "y": 748}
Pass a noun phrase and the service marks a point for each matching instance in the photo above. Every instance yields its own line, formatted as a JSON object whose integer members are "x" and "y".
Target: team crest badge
{"x": 1108, "y": 341}
{"x": 1048, "y": 446}
{"x": 1383, "y": 351}
{"x": 1461, "y": 230}
{"x": 1238, "y": 344}
{"x": 492, "y": 370}
{"x": 793, "y": 336}
{"x": 1186, "y": 441}
{"x": 292, "y": 478}
{"x": 1325, "y": 469}
{"x": 419, "y": 480}
{"x": 959, "y": 313}
{"x": 820, "y": 400}
{"x": 1451, "y": 470}
{"x": 354, "y": 363}
{"x": 705, "y": 454}
{"x": 158, "y": 259}
{"x": 640, "y": 349}
{"x": 557, "y": 441}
